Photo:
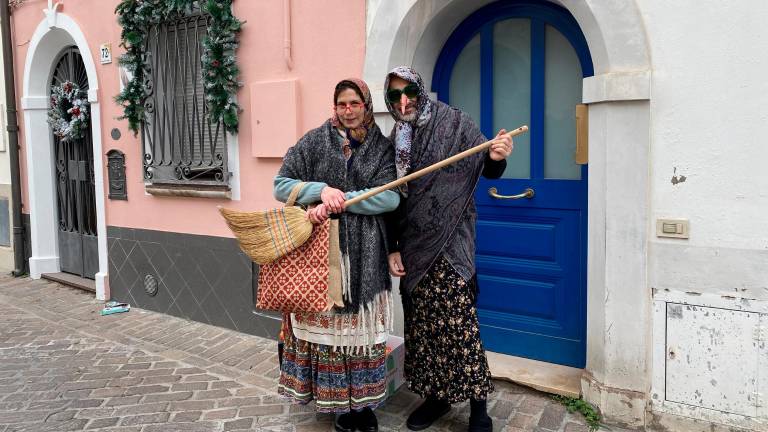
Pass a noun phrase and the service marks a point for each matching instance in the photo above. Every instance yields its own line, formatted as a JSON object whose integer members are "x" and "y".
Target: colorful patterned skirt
{"x": 337, "y": 381}
{"x": 445, "y": 356}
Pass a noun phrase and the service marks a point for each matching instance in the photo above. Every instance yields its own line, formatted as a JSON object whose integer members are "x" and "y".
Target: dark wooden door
{"x": 75, "y": 187}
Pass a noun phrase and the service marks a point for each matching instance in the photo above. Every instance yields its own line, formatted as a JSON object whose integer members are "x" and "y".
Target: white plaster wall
{"x": 709, "y": 147}
{"x": 710, "y": 124}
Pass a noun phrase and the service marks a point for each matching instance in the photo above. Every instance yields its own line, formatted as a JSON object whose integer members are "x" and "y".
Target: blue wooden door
{"x": 508, "y": 64}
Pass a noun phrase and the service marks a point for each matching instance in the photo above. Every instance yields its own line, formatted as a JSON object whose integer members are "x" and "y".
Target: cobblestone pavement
{"x": 63, "y": 367}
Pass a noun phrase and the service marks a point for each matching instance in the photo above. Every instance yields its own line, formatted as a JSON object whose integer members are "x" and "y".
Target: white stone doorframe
{"x": 617, "y": 375}
{"x": 54, "y": 33}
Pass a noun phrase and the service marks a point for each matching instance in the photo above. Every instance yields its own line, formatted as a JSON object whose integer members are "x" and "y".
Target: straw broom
{"x": 267, "y": 235}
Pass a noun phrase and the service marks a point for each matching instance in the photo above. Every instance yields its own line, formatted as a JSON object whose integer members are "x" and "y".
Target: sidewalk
{"x": 63, "y": 367}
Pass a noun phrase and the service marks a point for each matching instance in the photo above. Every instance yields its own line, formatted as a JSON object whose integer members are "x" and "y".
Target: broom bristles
{"x": 267, "y": 235}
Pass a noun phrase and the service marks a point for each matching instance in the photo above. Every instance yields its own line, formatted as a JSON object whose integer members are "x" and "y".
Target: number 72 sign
{"x": 105, "y": 53}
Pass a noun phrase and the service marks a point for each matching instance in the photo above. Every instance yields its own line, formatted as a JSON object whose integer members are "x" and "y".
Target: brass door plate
{"x": 582, "y": 135}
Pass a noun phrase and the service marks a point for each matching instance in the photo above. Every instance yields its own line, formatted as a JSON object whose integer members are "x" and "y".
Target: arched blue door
{"x": 512, "y": 63}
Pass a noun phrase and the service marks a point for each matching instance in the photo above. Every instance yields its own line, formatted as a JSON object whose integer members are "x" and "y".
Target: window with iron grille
{"x": 181, "y": 146}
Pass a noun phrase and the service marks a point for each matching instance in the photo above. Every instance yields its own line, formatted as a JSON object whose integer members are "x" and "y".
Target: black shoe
{"x": 427, "y": 413}
{"x": 366, "y": 421}
{"x": 345, "y": 422}
{"x": 480, "y": 424}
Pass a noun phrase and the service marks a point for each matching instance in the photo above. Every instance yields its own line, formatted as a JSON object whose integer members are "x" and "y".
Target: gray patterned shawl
{"x": 318, "y": 157}
{"x": 440, "y": 209}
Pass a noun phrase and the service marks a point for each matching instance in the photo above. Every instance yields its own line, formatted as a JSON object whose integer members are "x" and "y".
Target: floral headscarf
{"x": 403, "y": 131}
{"x": 353, "y": 138}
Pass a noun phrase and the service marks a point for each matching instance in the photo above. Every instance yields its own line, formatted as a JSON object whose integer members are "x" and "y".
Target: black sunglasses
{"x": 411, "y": 90}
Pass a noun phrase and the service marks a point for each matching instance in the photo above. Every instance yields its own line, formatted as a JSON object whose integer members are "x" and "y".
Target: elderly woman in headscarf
{"x": 432, "y": 238}
{"x": 338, "y": 357}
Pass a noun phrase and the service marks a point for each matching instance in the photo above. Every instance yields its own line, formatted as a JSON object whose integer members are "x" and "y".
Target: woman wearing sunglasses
{"x": 432, "y": 239}
{"x": 338, "y": 357}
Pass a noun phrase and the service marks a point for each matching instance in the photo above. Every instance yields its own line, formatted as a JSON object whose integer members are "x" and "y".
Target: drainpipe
{"x": 287, "y": 34}
{"x": 13, "y": 138}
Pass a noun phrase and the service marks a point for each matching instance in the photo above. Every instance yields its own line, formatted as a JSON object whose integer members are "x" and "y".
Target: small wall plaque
{"x": 116, "y": 172}
{"x": 105, "y": 53}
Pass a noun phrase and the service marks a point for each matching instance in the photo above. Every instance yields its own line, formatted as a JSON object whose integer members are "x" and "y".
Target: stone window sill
{"x": 187, "y": 190}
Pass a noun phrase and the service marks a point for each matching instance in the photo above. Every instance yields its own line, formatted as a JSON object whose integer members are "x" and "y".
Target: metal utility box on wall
{"x": 706, "y": 362}
{"x": 708, "y": 357}
{"x": 274, "y": 117}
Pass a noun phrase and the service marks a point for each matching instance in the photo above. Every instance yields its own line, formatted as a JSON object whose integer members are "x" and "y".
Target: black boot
{"x": 366, "y": 421}
{"x": 478, "y": 417}
{"x": 427, "y": 413}
{"x": 345, "y": 422}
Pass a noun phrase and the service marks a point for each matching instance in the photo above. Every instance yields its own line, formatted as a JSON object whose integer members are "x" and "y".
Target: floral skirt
{"x": 337, "y": 381}
{"x": 444, "y": 356}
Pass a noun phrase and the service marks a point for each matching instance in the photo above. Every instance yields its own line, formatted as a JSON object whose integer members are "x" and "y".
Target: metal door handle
{"x": 527, "y": 194}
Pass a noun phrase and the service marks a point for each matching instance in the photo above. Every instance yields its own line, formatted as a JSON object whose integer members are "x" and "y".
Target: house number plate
{"x": 105, "y": 53}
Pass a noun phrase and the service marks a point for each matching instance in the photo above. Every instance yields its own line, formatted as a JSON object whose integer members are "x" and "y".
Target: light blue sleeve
{"x": 310, "y": 192}
{"x": 384, "y": 202}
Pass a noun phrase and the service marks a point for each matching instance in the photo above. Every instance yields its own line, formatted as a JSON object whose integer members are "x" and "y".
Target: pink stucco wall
{"x": 328, "y": 45}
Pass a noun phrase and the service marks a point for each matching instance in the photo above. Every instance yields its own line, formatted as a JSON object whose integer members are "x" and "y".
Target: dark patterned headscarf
{"x": 403, "y": 131}
{"x": 353, "y": 138}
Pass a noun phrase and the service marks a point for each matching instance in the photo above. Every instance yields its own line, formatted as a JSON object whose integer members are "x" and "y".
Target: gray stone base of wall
{"x": 201, "y": 278}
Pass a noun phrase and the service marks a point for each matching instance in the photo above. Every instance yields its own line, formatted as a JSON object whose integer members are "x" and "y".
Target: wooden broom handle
{"x": 429, "y": 169}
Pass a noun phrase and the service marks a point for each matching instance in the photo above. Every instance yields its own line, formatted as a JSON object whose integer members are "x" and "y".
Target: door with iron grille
{"x": 75, "y": 187}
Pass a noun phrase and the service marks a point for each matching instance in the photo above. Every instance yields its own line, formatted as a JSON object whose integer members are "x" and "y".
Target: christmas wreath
{"x": 219, "y": 67}
{"x": 68, "y": 113}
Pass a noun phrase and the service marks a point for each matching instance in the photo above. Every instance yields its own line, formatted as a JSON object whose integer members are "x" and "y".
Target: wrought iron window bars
{"x": 180, "y": 145}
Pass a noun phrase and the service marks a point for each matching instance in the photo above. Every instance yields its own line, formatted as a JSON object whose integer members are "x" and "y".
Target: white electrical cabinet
{"x": 710, "y": 359}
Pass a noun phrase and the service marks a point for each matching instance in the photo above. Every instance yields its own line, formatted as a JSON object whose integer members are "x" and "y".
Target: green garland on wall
{"x": 219, "y": 66}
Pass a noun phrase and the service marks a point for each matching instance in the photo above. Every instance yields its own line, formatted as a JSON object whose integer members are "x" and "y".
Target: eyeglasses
{"x": 352, "y": 106}
{"x": 411, "y": 90}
